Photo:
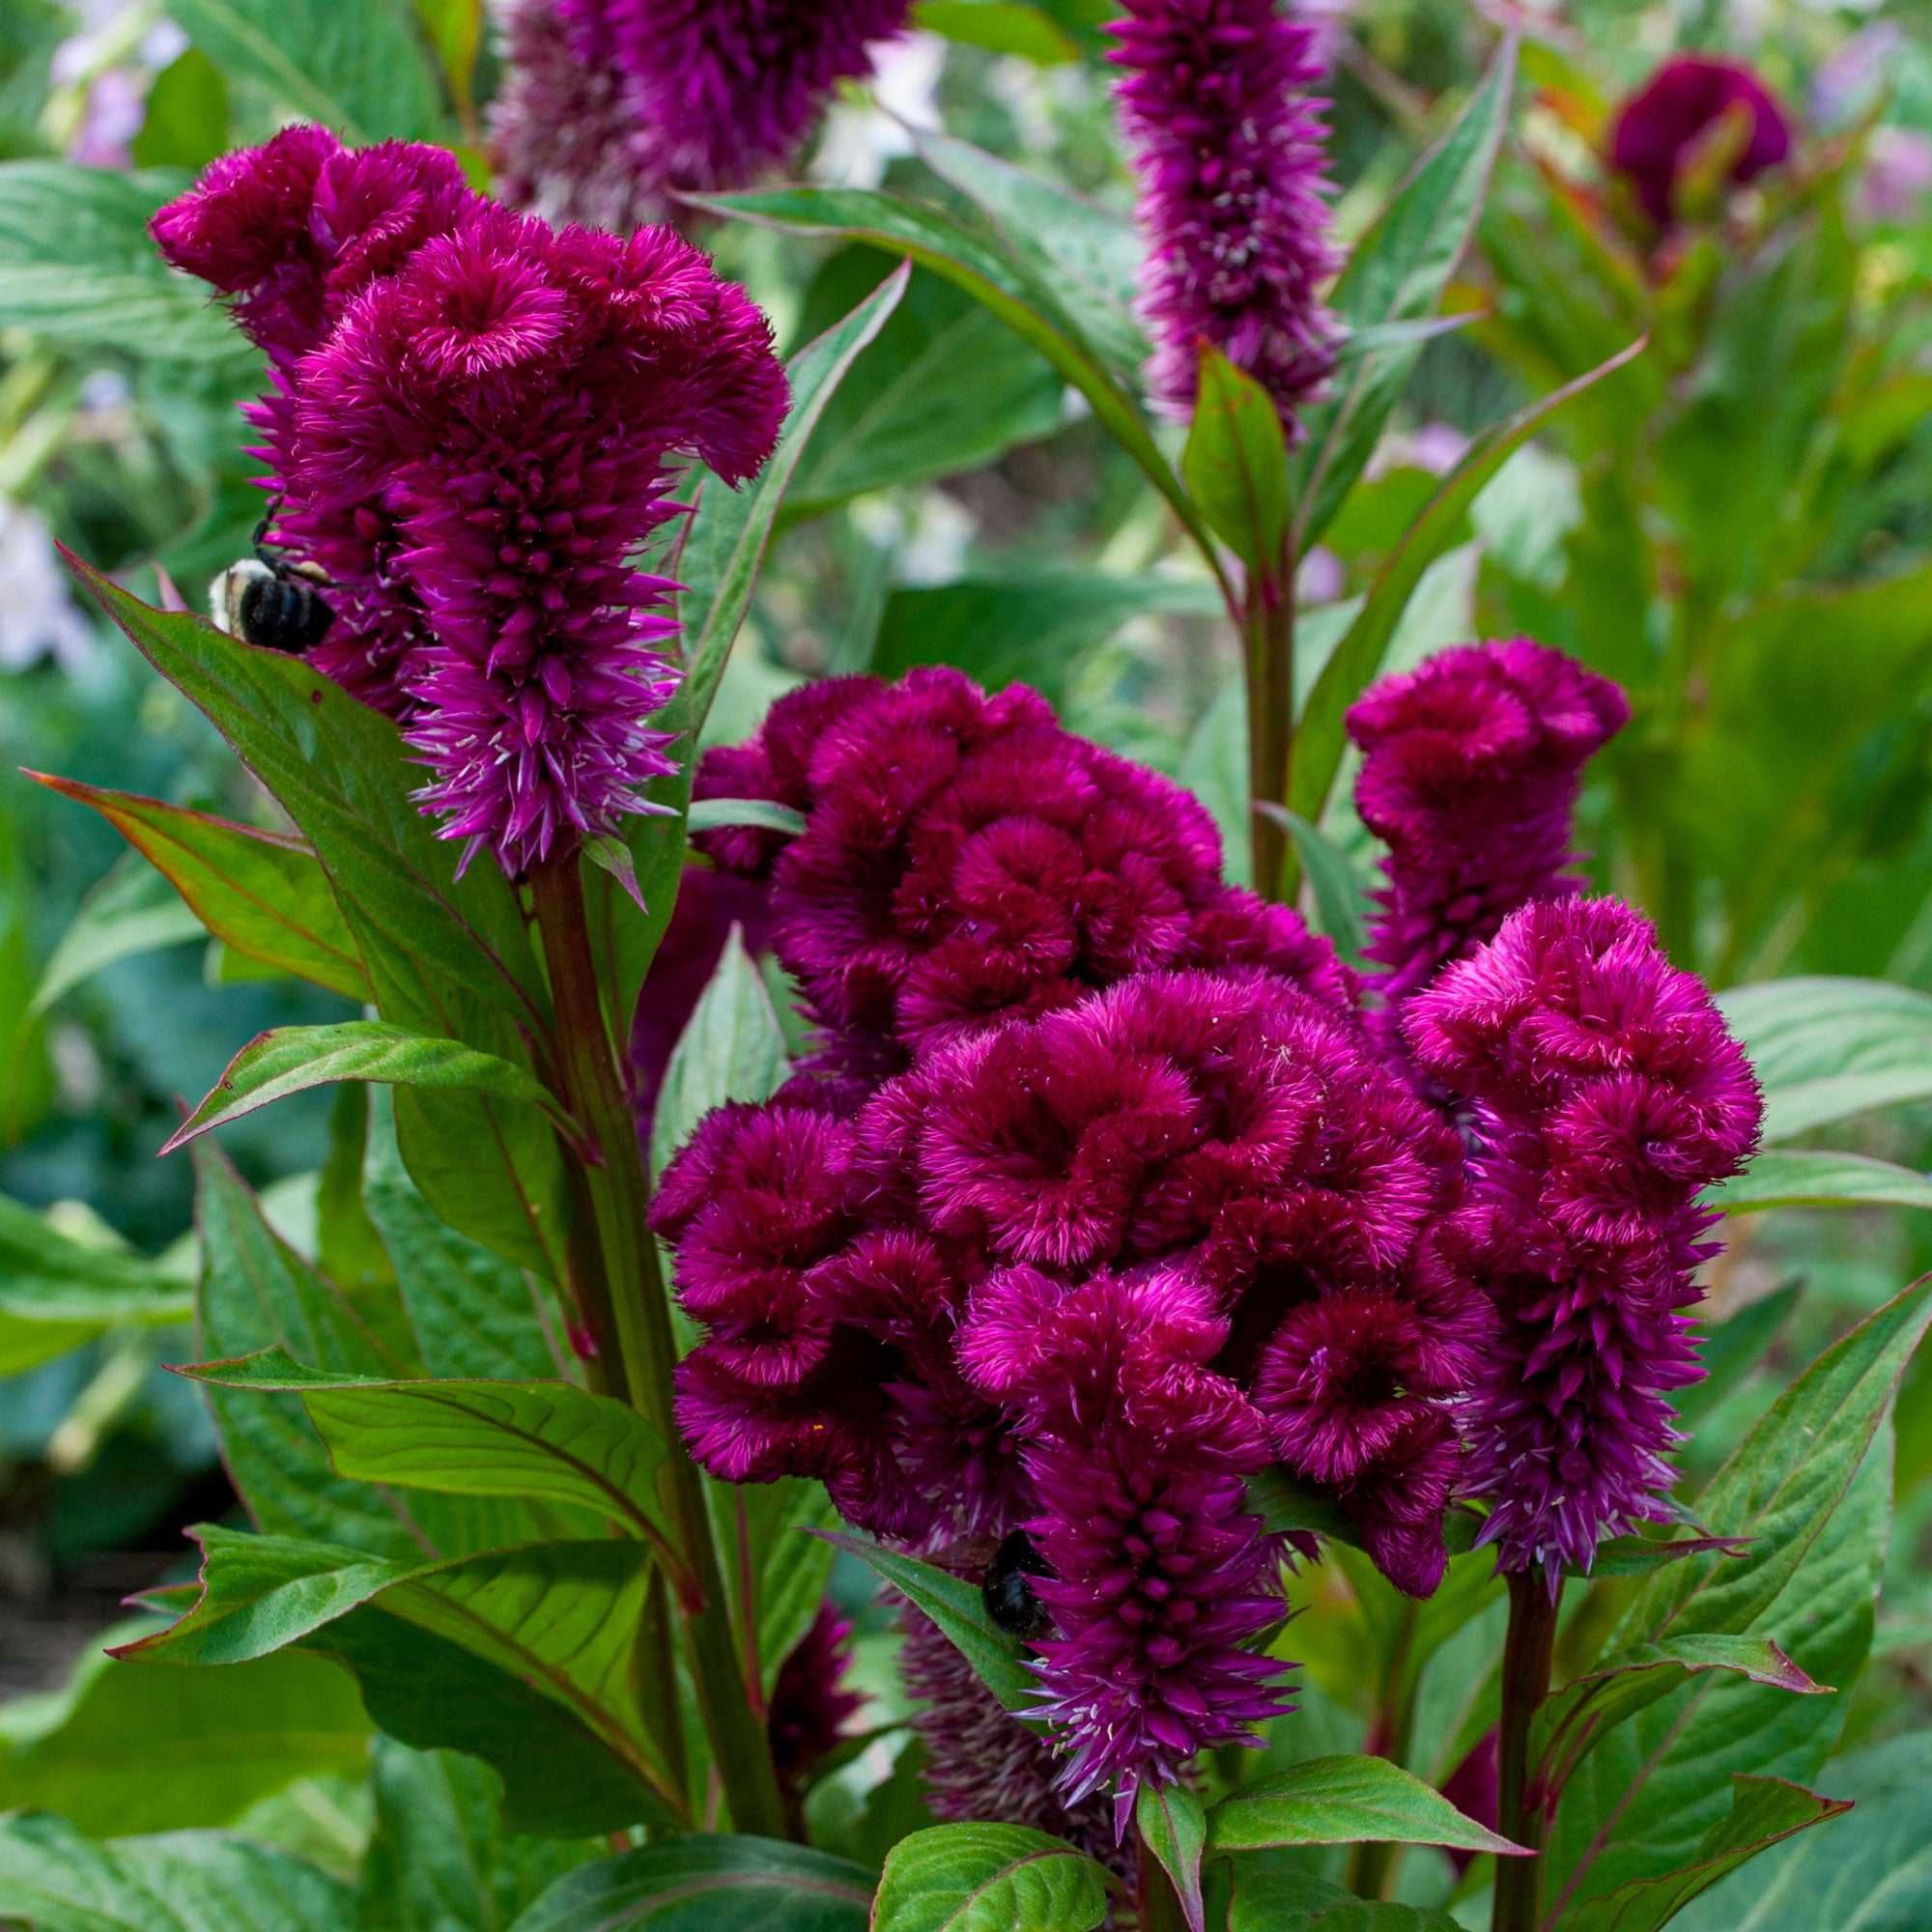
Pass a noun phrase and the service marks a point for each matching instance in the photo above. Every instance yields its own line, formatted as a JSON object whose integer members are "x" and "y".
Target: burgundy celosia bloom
{"x": 612, "y": 105}
{"x": 1659, "y": 126}
{"x": 1472, "y": 766}
{"x": 810, "y": 1705}
{"x": 1214, "y": 99}
{"x": 1609, "y": 1093}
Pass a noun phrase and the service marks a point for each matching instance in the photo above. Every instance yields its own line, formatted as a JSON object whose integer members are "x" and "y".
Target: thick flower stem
{"x": 1158, "y": 1904}
{"x": 1527, "y": 1653}
{"x": 1268, "y": 630}
{"x": 621, "y": 1200}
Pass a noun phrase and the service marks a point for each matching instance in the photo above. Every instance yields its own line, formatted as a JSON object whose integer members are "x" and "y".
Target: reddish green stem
{"x": 1527, "y": 1648}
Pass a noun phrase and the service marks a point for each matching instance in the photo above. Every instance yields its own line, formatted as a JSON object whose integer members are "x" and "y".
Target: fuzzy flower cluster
{"x": 1609, "y": 1093}
{"x": 470, "y": 432}
{"x": 1659, "y": 132}
{"x": 610, "y": 107}
{"x": 1469, "y": 776}
{"x": 1214, "y": 97}
{"x": 1095, "y": 1201}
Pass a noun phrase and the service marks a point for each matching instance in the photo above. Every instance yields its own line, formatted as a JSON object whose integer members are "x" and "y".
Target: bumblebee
{"x": 1007, "y": 1590}
{"x": 267, "y": 601}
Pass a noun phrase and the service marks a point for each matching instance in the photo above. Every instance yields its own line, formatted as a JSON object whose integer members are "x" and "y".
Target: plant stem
{"x": 1520, "y": 1817}
{"x": 1157, "y": 1902}
{"x": 1267, "y": 633}
{"x": 621, "y": 1202}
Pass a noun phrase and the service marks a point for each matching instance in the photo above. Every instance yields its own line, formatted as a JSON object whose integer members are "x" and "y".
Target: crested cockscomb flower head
{"x": 1471, "y": 774}
{"x": 502, "y": 409}
{"x": 1228, "y": 146}
{"x": 1659, "y": 129}
{"x": 810, "y": 1705}
{"x": 1608, "y": 1094}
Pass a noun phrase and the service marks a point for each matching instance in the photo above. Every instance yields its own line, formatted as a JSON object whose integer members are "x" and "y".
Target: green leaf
{"x": 186, "y": 122}
{"x": 732, "y": 1048}
{"x": 1321, "y": 736}
{"x": 57, "y": 1881}
{"x": 1284, "y": 1502}
{"x": 138, "y": 1747}
{"x": 960, "y": 1611}
{"x": 988, "y": 273}
{"x": 945, "y": 388}
{"x": 1340, "y": 899}
{"x": 440, "y": 1860}
{"x": 1087, "y": 255}
{"x": 356, "y": 65}
{"x": 56, "y": 1293}
{"x": 1730, "y": 1349}
{"x": 1872, "y": 1870}
{"x": 1764, "y": 1812}
{"x": 77, "y": 267}
{"x": 445, "y": 956}
{"x": 988, "y": 1877}
{"x": 289, "y": 1060}
{"x": 133, "y": 910}
{"x": 1235, "y": 464}
{"x": 1033, "y": 628}
{"x": 1828, "y": 1048}
{"x": 471, "y": 1312}
{"x": 1341, "y": 1801}
{"x": 1780, "y": 1178}
{"x": 999, "y": 27}
{"x": 1273, "y": 1891}
{"x": 1571, "y": 1721}
{"x": 348, "y": 1249}
{"x": 455, "y": 30}
{"x": 708, "y": 1884}
{"x": 262, "y": 893}
{"x": 1397, "y": 272}
{"x": 1175, "y": 1828}
{"x": 545, "y": 1442}
{"x": 710, "y": 814}
{"x": 790, "y": 1566}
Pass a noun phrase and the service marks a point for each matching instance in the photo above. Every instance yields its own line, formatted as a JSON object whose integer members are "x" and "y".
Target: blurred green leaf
{"x": 262, "y": 893}
{"x": 182, "y": 1882}
{"x": 999, "y": 27}
{"x": 1274, "y": 1891}
{"x": 186, "y": 122}
{"x": 356, "y": 65}
{"x": 1341, "y": 900}
{"x": 986, "y": 1878}
{"x": 134, "y": 910}
{"x": 1173, "y": 1827}
{"x": 1339, "y": 1800}
{"x": 455, "y": 30}
{"x": 1730, "y": 1349}
{"x": 1235, "y": 464}
{"x": 708, "y": 1884}
{"x": 732, "y": 1048}
{"x": 1778, "y": 1179}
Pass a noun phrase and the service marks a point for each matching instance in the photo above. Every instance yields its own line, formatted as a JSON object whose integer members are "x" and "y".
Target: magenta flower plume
{"x": 1658, "y": 129}
{"x": 1470, "y": 776}
{"x": 1609, "y": 1093}
{"x": 1214, "y": 99}
{"x": 613, "y": 105}
{"x": 810, "y": 1705}
{"x": 1161, "y": 1575}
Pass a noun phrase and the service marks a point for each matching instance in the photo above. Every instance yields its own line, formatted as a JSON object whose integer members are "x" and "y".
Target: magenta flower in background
{"x": 1214, "y": 97}
{"x": 1609, "y": 1093}
{"x": 1656, "y": 130}
{"x": 810, "y": 1705}
{"x": 1472, "y": 766}
{"x": 612, "y": 105}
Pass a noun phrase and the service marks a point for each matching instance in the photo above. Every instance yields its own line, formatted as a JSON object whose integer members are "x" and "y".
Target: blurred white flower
{"x": 101, "y": 76}
{"x": 36, "y": 617}
{"x": 861, "y": 136}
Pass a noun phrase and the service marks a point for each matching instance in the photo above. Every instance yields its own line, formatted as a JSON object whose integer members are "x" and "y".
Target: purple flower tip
{"x": 1657, "y": 129}
{"x": 810, "y": 1705}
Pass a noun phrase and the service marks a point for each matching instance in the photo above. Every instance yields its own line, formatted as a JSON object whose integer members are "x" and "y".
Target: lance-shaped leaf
{"x": 1174, "y": 1828}
{"x": 987, "y": 1878}
{"x": 1358, "y": 656}
{"x": 261, "y": 892}
{"x": 1396, "y": 274}
{"x": 710, "y": 814}
{"x": 1764, "y": 1812}
{"x": 1235, "y": 464}
{"x": 1341, "y": 1801}
{"x": 959, "y": 1611}
{"x": 721, "y": 1883}
{"x": 988, "y": 270}
{"x": 1779, "y": 1178}
{"x": 544, "y": 1442}
{"x": 1568, "y": 1723}
{"x": 129, "y": 910}
{"x": 287, "y": 1059}
{"x": 1284, "y": 1502}
{"x": 1340, "y": 900}
{"x": 1274, "y": 1891}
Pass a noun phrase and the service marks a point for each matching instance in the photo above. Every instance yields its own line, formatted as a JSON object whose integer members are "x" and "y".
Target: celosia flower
{"x": 1470, "y": 776}
{"x": 810, "y": 1705}
{"x": 1609, "y": 1093}
{"x": 1658, "y": 129}
{"x": 506, "y": 404}
{"x": 612, "y": 105}
{"x": 1228, "y": 144}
